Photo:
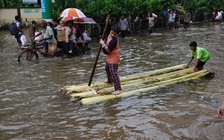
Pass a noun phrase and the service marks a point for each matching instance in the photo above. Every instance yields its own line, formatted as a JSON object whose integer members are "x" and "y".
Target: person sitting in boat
{"x": 87, "y": 39}
{"x": 79, "y": 36}
{"x": 202, "y": 56}
{"x": 50, "y": 24}
{"x": 70, "y": 33}
{"x": 48, "y": 39}
{"x": 61, "y": 36}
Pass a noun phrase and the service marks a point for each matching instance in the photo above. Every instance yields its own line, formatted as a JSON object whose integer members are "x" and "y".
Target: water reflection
{"x": 32, "y": 106}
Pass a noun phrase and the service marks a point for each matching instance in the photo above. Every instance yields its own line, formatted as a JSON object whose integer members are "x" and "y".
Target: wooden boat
{"x": 133, "y": 84}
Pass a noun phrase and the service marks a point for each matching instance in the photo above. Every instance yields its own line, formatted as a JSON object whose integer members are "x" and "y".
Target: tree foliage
{"x": 99, "y": 9}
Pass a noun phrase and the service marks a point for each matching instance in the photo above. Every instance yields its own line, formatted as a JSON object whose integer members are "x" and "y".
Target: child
{"x": 113, "y": 59}
{"x": 202, "y": 56}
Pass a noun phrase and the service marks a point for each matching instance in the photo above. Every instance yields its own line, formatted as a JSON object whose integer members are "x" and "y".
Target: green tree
{"x": 99, "y": 9}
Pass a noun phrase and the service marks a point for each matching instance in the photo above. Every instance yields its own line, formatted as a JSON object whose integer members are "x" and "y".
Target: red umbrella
{"x": 67, "y": 19}
{"x": 84, "y": 20}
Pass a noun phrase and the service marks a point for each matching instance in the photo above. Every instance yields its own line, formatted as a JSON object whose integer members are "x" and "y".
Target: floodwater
{"x": 32, "y": 107}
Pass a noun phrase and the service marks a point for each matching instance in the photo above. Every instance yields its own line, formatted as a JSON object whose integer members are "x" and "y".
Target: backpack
{"x": 13, "y": 29}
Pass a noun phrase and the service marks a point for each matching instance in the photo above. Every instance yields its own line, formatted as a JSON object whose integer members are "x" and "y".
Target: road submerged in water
{"x": 32, "y": 107}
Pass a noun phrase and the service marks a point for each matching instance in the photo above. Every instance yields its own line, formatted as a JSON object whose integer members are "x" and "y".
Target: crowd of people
{"x": 174, "y": 19}
{"x": 68, "y": 36}
{"x": 173, "y": 22}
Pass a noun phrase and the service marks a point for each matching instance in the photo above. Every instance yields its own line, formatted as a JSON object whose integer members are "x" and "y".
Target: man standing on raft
{"x": 202, "y": 56}
{"x": 113, "y": 59}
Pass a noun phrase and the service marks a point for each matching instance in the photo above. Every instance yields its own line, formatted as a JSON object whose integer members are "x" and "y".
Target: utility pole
{"x": 46, "y": 7}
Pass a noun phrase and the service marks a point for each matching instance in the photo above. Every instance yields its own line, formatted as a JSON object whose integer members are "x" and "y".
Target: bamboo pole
{"x": 83, "y": 87}
{"x": 135, "y": 83}
{"x": 154, "y": 72}
{"x": 189, "y": 77}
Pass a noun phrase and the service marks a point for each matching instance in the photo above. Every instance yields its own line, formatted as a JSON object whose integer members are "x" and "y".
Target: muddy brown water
{"x": 31, "y": 106}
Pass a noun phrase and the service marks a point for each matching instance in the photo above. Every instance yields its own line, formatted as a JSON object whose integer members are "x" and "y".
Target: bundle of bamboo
{"x": 84, "y": 87}
{"x": 133, "y": 84}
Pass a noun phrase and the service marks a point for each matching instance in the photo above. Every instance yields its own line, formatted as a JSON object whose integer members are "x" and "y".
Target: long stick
{"x": 97, "y": 57}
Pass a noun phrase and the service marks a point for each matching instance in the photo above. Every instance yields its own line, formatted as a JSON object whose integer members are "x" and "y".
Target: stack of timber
{"x": 133, "y": 84}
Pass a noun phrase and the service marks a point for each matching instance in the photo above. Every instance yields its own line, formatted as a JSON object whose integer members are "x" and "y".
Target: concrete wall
{"x": 7, "y": 15}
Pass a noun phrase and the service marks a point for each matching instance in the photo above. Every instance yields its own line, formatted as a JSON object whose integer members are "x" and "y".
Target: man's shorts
{"x": 200, "y": 63}
{"x": 18, "y": 36}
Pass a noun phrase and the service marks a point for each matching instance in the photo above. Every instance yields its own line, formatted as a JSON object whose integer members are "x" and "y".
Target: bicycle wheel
{"x": 28, "y": 55}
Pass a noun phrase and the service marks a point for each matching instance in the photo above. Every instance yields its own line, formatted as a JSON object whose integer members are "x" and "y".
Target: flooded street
{"x": 32, "y": 107}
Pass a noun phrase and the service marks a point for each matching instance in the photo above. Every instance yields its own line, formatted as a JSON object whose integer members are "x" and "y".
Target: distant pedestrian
{"x": 171, "y": 19}
{"x": 26, "y": 22}
{"x": 136, "y": 23}
{"x": 123, "y": 24}
{"x": 218, "y": 18}
{"x": 187, "y": 19}
{"x": 217, "y": 10}
{"x": 202, "y": 56}
{"x": 19, "y": 28}
{"x": 151, "y": 21}
{"x": 177, "y": 20}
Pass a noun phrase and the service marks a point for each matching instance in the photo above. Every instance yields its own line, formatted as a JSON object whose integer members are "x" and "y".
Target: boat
{"x": 133, "y": 84}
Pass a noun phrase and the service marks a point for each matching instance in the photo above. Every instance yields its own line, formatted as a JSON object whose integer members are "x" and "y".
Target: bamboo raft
{"x": 133, "y": 84}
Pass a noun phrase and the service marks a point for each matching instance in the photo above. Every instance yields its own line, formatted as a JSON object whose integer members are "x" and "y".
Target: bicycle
{"x": 30, "y": 51}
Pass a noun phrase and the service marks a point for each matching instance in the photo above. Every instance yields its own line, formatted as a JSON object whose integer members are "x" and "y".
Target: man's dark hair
{"x": 55, "y": 20}
{"x": 193, "y": 43}
{"x": 50, "y": 24}
{"x": 34, "y": 22}
{"x": 16, "y": 17}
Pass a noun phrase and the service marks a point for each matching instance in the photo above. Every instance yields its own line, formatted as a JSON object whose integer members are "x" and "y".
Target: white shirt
{"x": 72, "y": 36}
{"x": 172, "y": 17}
{"x": 151, "y": 20}
{"x": 18, "y": 24}
{"x": 123, "y": 24}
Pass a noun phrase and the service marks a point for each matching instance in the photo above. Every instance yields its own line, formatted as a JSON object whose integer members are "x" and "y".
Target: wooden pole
{"x": 97, "y": 57}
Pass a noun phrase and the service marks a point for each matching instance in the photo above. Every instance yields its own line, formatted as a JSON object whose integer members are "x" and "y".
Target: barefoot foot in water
{"x": 117, "y": 92}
